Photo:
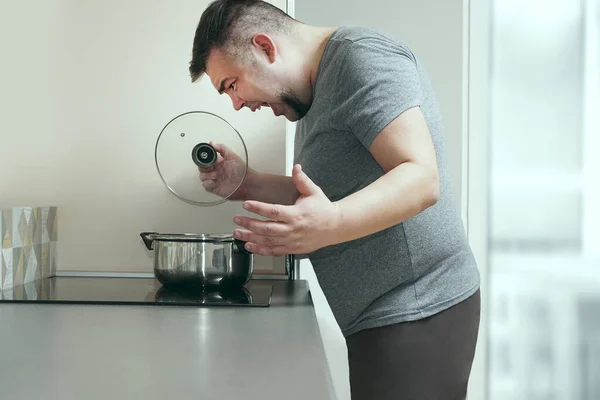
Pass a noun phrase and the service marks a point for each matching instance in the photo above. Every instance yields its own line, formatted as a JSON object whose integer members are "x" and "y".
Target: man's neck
{"x": 311, "y": 42}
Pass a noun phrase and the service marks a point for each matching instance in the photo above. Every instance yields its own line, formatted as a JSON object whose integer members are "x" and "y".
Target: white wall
{"x": 434, "y": 30}
{"x": 87, "y": 88}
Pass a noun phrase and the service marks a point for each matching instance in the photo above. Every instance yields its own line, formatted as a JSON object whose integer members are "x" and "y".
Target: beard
{"x": 286, "y": 96}
{"x": 290, "y": 99}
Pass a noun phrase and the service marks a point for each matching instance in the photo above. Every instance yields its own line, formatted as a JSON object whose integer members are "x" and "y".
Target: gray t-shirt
{"x": 414, "y": 269}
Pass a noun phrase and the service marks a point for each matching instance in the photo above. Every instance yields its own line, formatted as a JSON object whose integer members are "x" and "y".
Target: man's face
{"x": 253, "y": 84}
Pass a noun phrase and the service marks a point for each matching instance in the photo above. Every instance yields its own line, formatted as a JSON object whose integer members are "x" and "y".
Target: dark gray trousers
{"x": 428, "y": 359}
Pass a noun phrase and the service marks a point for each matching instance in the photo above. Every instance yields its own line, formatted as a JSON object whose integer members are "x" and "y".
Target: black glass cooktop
{"x": 132, "y": 291}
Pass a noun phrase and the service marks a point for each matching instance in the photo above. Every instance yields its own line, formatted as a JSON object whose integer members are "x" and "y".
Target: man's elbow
{"x": 431, "y": 192}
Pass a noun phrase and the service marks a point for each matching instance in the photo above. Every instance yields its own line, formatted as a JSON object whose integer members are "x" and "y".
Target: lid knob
{"x": 204, "y": 155}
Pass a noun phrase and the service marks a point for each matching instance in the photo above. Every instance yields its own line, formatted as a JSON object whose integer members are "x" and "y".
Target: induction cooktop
{"x": 132, "y": 291}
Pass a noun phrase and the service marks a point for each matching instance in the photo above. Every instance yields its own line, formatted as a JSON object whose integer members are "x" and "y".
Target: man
{"x": 369, "y": 201}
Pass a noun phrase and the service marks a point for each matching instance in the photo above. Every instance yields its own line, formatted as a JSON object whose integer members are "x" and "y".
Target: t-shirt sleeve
{"x": 376, "y": 83}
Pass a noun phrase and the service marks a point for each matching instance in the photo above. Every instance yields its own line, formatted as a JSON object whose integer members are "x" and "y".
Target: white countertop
{"x": 93, "y": 352}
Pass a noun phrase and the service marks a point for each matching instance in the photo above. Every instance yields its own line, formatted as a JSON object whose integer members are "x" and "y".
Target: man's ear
{"x": 265, "y": 45}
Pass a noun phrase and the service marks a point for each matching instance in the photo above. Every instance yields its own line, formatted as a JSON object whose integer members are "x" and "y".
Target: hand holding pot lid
{"x": 187, "y": 145}
{"x": 223, "y": 176}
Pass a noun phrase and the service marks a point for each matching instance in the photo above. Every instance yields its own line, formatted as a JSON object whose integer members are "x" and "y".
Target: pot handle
{"x": 148, "y": 238}
{"x": 239, "y": 246}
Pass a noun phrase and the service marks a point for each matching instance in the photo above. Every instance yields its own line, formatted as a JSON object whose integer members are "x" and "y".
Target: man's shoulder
{"x": 363, "y": 45}
{"x": 366, "y": 36}
{"x": 357, "y": 33}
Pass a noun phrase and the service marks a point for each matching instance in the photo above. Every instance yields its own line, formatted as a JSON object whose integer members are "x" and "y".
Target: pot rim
{"x": 193, "y": 237}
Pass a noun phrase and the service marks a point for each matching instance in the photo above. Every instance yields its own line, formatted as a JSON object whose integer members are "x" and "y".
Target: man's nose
{"x": 237, "y": 102}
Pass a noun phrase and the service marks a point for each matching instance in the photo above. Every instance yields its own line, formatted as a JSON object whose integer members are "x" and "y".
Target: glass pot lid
{"x": 189, "y": 144}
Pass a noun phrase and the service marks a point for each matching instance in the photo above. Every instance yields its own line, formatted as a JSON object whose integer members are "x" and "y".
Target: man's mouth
{"x": 273, "y": 107}
{"x": 257, "y": 106}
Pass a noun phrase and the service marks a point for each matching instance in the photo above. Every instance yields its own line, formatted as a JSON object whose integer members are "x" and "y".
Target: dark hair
{"x": 229, "y": 24}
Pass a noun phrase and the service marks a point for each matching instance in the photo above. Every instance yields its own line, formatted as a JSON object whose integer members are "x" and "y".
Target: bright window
{"x": 543, "y": 242}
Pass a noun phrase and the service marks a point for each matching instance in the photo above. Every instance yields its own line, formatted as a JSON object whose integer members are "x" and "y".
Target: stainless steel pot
{"x": 199, "y": 260}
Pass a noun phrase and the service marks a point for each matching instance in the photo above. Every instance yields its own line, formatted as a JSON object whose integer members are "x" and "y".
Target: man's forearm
{"x": 400, "y": 194}
{"x": 270, "y": 188}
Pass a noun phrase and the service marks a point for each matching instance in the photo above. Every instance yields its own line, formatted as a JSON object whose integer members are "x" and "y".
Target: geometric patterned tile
{"x": 50, "y": 269}
{"x": 31, "y": 292}
{"x": 23, "y": 228}
{"x": 18, "y": 291}
{"x": 6, "y": 231}
{"x": 27, "y": 211}
{"x": 7, "y": 293}
{"x": 32, "y": 229}
{"x": 28, "y": 245}
{"x": 37, "y": 225}
{"x": 45, "y": 231}
{"x": 45, "y": 257}
{"x": 16, "y": 235}
{"x": 52, "y": 224}
{"x": 2, "y": 268}
{"x": 37, "y": 253}
{"x": 31, "y": 265}
{"x": 18, "y": 266}
{"x": 1, "y": 262}
{"x": 7, "y": 258}
{"x": 30, "y": 226}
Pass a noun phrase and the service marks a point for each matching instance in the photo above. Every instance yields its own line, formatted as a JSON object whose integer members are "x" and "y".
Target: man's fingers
{"x": 220, "y": 148}
{"x": 208, "y": 176}
{"x": 251, "y": 237}
{"x": 263, "y": 250}
{"x": 276, "y": 212}
{"x": 209, "y": 185}
{"x": 264, "y": 228}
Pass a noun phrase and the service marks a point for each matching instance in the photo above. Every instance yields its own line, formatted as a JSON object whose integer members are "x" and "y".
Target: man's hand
{"x": 226, "y": 175}
{"x": 308, "y": 225}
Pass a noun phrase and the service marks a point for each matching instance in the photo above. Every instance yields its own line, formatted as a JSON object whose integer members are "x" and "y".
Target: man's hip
{"x": 427, "y": 359}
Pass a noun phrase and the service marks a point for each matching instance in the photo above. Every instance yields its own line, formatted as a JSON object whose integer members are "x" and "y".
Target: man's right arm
{"x": 270, "y": 188}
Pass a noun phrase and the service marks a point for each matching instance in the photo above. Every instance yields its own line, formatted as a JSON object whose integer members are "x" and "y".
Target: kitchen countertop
{"x": 77, "y": 351}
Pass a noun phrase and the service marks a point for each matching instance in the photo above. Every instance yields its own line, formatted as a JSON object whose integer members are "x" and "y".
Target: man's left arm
{"x": 405, "y": 152}
{"x": 409, "y": 185}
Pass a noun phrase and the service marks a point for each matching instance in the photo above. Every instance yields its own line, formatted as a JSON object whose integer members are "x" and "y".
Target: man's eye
{"x": 232, "y": 86}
